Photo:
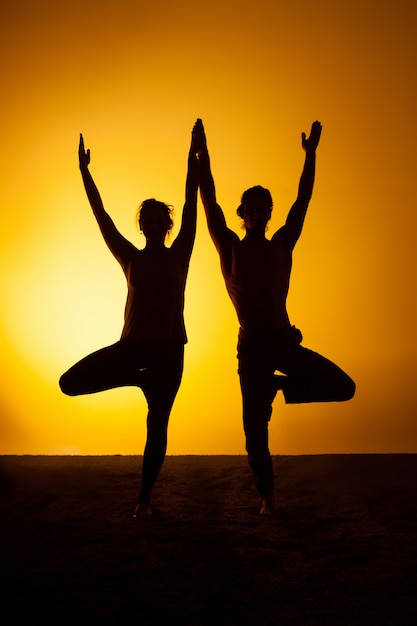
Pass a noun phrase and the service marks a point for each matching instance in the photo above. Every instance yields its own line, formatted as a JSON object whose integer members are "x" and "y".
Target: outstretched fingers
{"x": 313, "y": 141}
{"x": 316, "y": 129}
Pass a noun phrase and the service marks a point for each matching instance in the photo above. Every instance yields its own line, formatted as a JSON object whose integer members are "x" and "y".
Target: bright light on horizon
{"x": 135, "y": 103}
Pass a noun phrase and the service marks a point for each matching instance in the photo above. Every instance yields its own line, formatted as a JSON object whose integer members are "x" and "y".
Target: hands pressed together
{"x": 198, "y": 141}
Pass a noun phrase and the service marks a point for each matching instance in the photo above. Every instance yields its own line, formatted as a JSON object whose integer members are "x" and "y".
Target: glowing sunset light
{"x": 133, "y": 80}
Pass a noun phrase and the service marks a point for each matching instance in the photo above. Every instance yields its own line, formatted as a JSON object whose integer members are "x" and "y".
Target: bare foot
{"x": 141, "y": 509}
{"x": 268, "y": 506}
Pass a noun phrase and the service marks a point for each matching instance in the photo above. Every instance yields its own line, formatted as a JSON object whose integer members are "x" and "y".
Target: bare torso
{"x": 257, "y": 273}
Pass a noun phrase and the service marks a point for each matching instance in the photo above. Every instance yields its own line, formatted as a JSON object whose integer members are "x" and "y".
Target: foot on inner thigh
{"x": 279, "y": 382}
{"x": 140, "y": 377}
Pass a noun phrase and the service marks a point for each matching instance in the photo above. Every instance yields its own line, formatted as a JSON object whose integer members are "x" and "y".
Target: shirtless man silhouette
{"x": 150, "y": 352}
{"x": 257, "y": 272}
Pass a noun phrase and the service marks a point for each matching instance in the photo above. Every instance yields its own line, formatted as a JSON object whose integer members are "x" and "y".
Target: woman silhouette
{"x": 150, "y": 352}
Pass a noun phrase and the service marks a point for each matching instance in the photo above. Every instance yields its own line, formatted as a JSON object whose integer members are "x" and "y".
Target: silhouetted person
{"x": 150, "y": 352}
{"x": 257, "y": 273}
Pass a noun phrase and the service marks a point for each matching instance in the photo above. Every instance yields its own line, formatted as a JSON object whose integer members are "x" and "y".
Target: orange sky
{"x": 133, "y": 77}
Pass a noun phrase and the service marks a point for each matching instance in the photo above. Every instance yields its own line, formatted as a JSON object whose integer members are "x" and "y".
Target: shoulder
{"x": 227, "y": 240}
{"x": 281, "y": 239}
{"x": 132, "y": 256}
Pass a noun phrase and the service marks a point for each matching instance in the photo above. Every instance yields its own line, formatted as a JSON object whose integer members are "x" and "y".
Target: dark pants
{"x": 309, "y": 377}
{"x": 154, "y": 366}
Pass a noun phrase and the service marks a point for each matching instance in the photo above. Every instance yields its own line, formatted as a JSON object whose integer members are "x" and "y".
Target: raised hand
{"x": 84, "y": 156}
{"x": 313, "y": 141}
{"x": 199, "y": 137}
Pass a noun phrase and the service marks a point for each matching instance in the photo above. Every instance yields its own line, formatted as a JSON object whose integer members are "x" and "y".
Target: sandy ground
{"x": 342, "y": 550}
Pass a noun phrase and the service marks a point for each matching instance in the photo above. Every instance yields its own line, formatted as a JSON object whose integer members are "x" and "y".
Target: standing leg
{"x": 163, "y": 378}
{"x": 257, "y": 395}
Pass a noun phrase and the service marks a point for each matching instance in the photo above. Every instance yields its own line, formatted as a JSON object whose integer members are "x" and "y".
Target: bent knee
{"x": 66, "y": 387}
{"x": 349, "y": 389}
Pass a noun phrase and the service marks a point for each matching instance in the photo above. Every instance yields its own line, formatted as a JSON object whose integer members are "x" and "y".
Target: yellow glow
{"x": 133, "y": 80}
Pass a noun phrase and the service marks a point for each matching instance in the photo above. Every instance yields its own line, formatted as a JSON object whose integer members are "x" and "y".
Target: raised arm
{"x": 186, "y": 236}
{"x": 216, "y": 222}
{"x": 120, "y": 247}
{"x": 297, "y": 213}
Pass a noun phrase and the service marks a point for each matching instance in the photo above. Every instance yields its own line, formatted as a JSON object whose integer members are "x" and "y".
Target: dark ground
{"x": 343, "y": 549}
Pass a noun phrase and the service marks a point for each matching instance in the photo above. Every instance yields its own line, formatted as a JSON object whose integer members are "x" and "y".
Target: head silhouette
{"x": 255, "y": 207}
{"x": 256, "y": 192}
{"x": 154, "y": 219}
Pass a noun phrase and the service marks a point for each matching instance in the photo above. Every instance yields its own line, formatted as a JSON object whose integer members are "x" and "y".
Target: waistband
{"x": 288, "y": 335}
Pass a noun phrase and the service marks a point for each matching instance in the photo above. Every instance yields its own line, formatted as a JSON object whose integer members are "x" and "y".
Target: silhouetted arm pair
{"x": 120, "y": 247}
{"x": 216, "y": 221}
{"x": 295, "y": 219}
{"x": 186, "y": 235}
{"x": 219, "y": 231}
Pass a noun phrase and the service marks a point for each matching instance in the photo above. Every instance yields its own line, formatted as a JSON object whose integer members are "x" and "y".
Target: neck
{"x": 255, "y": 235}
{"x": 154, "y": 245}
